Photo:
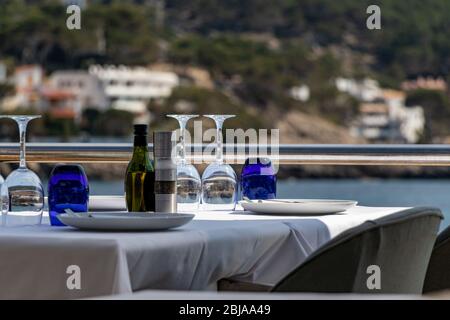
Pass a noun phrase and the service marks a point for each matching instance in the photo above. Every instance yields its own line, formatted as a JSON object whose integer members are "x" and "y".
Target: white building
{"x": 300, "y": 93}
{"x": 131, "y": 89}
{"x": 427, "y": 83}
{"x": 411, "y": 119}
{"x": 135, "y": 84}
{"x": 27, "y": 81}
{"x": 374, "y": 122}
{"x": 364, "y": 90}
{"x": 387, "y": 119}
{"x": 3, "y": 75}
{"x": 87, "y": 88}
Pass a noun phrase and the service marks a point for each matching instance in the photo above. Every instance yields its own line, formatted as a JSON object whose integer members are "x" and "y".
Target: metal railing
{"x": 288, "y": 154}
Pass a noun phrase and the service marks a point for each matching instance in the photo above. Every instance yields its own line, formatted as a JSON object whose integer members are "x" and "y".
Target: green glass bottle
{"x": 140, "y": 176}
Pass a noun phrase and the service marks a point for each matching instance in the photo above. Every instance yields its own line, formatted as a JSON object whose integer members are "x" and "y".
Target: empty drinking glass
{"x": 22, "y": 193}
{"x": 188, "y": 179}
{"x": 3, "y": 201}
{"x": 1, "y": 181}
{"x": 68, "y": 188}
{"x": 219, "y": 181}
{"x": 258, "y": 179}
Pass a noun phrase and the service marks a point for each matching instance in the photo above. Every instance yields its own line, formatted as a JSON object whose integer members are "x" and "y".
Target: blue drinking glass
{"x": 68, "y": 188}
{"x": 258, "y": 179}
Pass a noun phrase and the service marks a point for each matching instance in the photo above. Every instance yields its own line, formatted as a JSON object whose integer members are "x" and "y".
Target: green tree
{"x": 436, "y": 105}
{"x": 115, "y": 123}
{"x": 5, "y": 89}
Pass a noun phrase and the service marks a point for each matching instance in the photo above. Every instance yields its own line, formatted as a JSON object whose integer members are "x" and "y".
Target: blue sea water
{"x": 369, "y": 192}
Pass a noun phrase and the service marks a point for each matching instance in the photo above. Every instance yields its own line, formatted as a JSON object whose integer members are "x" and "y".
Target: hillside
{"x": 412, "y": 39}
{"x": 253, "y": 50}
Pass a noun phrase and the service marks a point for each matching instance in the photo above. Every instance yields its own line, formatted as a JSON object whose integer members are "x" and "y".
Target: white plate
{"x": 126, "y": 220}
{"x": 306, "y": 207}
{"x": 107, "y": 203}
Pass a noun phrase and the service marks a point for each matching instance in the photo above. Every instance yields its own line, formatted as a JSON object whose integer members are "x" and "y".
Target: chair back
{"x": 438, "y": 273}
{"x": 387, "y": 255}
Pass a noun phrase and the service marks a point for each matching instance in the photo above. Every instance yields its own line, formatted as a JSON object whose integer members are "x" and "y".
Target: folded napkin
{"x": 103, "y": 203}
{"x": 107, "y": 203}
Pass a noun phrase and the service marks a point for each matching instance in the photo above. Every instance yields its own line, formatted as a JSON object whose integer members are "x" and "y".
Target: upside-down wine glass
{"x": 188, "y": 179}
{"x": 22, "y": 194}
{"x": 1, "y": 199}
{"x": 219, "y": 181}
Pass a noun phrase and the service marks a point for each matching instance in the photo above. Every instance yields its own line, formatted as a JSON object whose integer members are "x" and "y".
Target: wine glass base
{"x": 20, "y": 219}
{"x": 218, "y": 207}
{"x": 187, "y": 206}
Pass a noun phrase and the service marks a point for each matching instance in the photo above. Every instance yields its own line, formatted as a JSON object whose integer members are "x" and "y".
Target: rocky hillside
{"x": 299, "y": 127}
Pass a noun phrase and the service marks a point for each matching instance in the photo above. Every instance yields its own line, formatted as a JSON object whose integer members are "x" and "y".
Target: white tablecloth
{"x": 215, "y": 245}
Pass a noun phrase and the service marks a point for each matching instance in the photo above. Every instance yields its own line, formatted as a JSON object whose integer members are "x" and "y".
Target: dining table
{"x": 49, "y": 262}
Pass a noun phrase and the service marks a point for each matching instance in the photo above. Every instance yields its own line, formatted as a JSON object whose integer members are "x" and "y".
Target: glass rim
{"x": 13, "y": 116}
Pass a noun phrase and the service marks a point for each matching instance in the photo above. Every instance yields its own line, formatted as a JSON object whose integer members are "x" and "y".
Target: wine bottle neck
{"x": 140, "y": 141}
{"x": 140, "y": 149}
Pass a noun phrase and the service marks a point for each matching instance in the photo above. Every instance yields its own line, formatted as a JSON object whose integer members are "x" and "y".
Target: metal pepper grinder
{"x": 165, "y": 172}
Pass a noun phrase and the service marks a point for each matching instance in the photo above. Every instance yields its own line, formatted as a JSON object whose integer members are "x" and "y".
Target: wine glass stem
{"x": 219, "y": 151}
{"x": 22, "y": 133}
{"x": 182, "y": 142}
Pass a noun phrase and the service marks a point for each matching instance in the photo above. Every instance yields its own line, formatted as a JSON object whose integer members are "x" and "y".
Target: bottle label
{"x": 166, "y": 175}
{"x": 165, "y": 187}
